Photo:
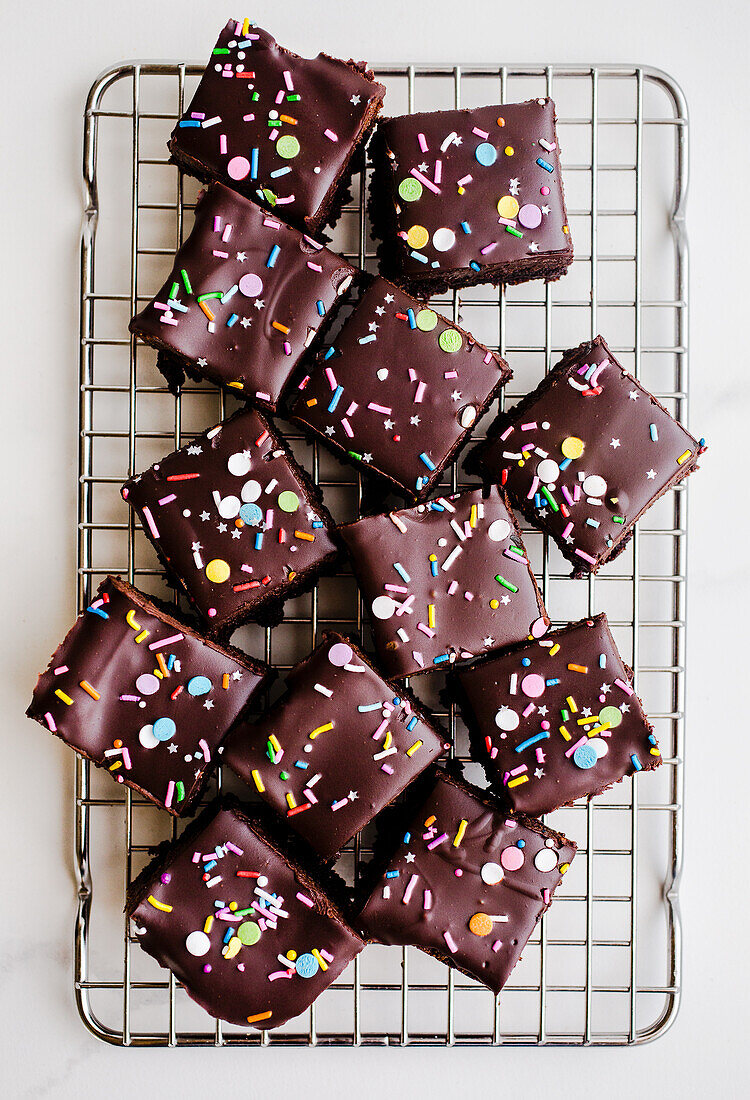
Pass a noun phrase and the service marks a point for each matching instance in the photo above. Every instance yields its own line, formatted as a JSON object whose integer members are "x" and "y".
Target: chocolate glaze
{"x": 278, "y": 288}
{"x": 280, "y": 536}
{"x": 119, "y": 661}
{"x": 444, "y": 876}
{"x": 248, "y": 92}
{"x": 534, "y": 686}
{"x": 461, "y": 593}
{"x": 338, "y": 778}
{"x": 246, "y": 982}
{"x": 389, "y": 397}
{"x": 616, "y": 420}
{"x": 460, "y": 198}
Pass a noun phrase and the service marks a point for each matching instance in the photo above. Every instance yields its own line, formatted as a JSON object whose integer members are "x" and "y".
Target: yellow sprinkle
{"x": 304, "y": 536}
{"x": 232, "y": 948}
{"x": 209, "y": 924}
{"x": 319, "y": 957}
{"x": 275, "y": 742}
{"x": 130, "y": 620}
{"x": 320, "y": 729}
{"x": 237, "y": 385}
{"x": 518, "y": 780}
{"x": 598, "y": 729}
{"x": 161, "y": 663}
{"x": 245, "y": 33}
{"x": 259, "y": 1016}
{"x": 291, "y": 955}
{"x": 117, "y": 764}
{"x": 473, "y": 516}
{"x": 684, "y": 457}
{"x": 290, "y": 800}
{"x": 578, "y": 668}
{"x": 413, "y": 749}
{"x": 65, "y": 698}
{"x": 460, "y": 832}
{"x": 388, "y": 739}
{"x": 89, "y": 690}
{"x": 257, "y": 780}
{"x": 563, "y": 868}
{"x": 572, "y": 704}
{"x": 159, "y": 904}
{"x": 280, "y": 327}
{"x": 555, "y": 649}
{"x": 586, "y": 721}
{"x": 565, "y": 733}
{"x": 654, "y": 751}
{"x": 158, "y": 673}
{"x": 143, "y": 634}
{"x": 206, "y": 310}
{"x": 431, "y": 614}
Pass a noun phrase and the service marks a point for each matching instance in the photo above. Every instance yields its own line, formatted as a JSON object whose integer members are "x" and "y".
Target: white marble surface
{"x": 53, "y": 52}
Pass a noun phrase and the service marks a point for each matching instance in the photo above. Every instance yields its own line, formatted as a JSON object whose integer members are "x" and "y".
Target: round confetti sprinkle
{"x": 382, "y": 374}
{"x": 530, "y": 216}
{"x": 164, "y": 729}
{"x": 548, "y": 471}
{"x": 250, "y": 285}
{"x": 585, "y": 757}
{"x": 509, "y": 150}
{"x": 480, "y": 924}
{"x": 507, "y": 207}
{"x": 467, "y": 416}
{"x": 417, "y": 237}
{"x": 147, "y": 684}
{"x": 248, "y": 933}
{"x": 217, "y": 571}
{"x": 238, "y": 464}
{"x": 544, "y": 190}
{"x": 229, "y": 507}
{"x": 410, "y": 189}
{"x": 251, "y": 514}
{"x": 306, "y": 965}
{"x": 238, "y": 168}
{"x": 533, "y": 685}
{"x": 572, "y": 447}
{"x": 545, "y": 860}
{"x": 443, "y": 239}
{"x": 610, "y": 715}
{"x": 450, "y": 340}
{"x": 287, "y": 146}
{"x": 485, "y": 153}
{"x": 383, "y": 607}
{"x": 288, "y": 501}
{"x": 594, "y": 486}
{"x": 507, "y": 719}
{"x": 492, "y": 873}
{"x": 600, "y": 746}
{"x": 197, "y": 943}
{"x": 512, "y": 858}
{"x": 199, "y": 685}
{"x": 250, "y": 491}
{"x": 498, "y": 530}
{"x": 538, "y": 628}
{"x": 146, "y": 737}
{"x": 426, "y": 320}
{"x": 340, "y": 654}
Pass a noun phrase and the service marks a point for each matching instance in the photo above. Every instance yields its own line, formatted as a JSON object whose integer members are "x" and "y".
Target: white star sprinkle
{"x": 457, "y": 140}
{"x": 651, "y": 474}
{"x": 422, "y": 167}
{"x": 489, "y": 641}
{"x": 195, "y": 450}
{"x": 241, "y": 257}
{"x": 354, "y": 100}
{"x": 389, "y": 297}
{"x": 330, "y": 429}
{"x": 171, "y": 747}
{"x": 539, "y": 773}
{"x": 586, "y": 712}
{"x": 259, "y": 303}
{"x": 545, "y": 210}
{"x": 541, "y": 710}
{"x": 372, "y": 326}
{"x": 379, "y": 310}
{"x": 533, "y": 247}
{"x": 245, "y": 322}
{"x": 624, "y": 707}
{"x": 235, "y": 534}
{"x": 633, "y": 395}
{"x": 615, "y": 443}
{"x": 505, "y": 599}
{"x": 513, "y": 186}
{"x": 410, "y": 857}
{"x": 205, "y": 516}
{"x": 196, "y": 547}
{"x": 221, "y": 528}
{"x": 569, "y": 539}
{"x": 388, "y": 424}
{"x": 367, "y": 457}
{"x": 456, "y": 395}
{"x": 605, "y": 688}
{"x": 203, "y": 362}
{"x": 237, "y": 675}
{"x": 352, "y": 795}
{"x": 209, "y": 704}
{"x": 414, "y": 420}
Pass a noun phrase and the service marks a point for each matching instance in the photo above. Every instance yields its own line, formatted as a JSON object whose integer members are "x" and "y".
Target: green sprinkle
{"x": 173, "y": 290}
{"x": 186, "y": 281}
{"x": 255, "y": 97}
{"x": 354, "y": 454}
{"x": 552, "y": 502}
{"x": 506, "y": 584}
{"x": 220, "y": 49}
{"x": 274, "y": 123}
{"x": 269, "y": 196}
{"x": 512, "y": 231}
{"x": 211, "y": 294}
{"x": 565, "y": 714}
{"x": 618, "y": 519}
{"x": 516, "y": 550}
{"x": 180, "y": 786}
{"x": 294, "y": 98}
{"x": 284, "y": 775}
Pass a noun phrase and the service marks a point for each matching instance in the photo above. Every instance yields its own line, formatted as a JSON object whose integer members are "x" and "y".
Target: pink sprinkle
{"x": 568, "y": 529}
{"x": 427, "y": 183}
{"x": 279, "y": 96}
{"x": 248, "y": 118}
{"x": 379, "y": 408}
{"x": 387, "y": 769}
{"x": 60, "y": 669}
{"x": 423, "y": 143}
{"x": 217, "y": 223}
{"x": 227, "y": 233}
{"x": 286, "y": 201}
{"x": 546, "y": 895}
{"x": 130, "y": 698}
{"x": 326, "y": 955}
{"x": 287, "y": 348}
{"x": 310, "y": 796}
{"x": 576, "y": 493}
{"x": 126, "y": 759}
{"x": 205, "y": 749}
{"x": 51, "y": 722}
{"x": 568, "y": 497}
{"x": 289, "y": 85}
{"x": 464, "y": 180}
{"x": 507, "y": 221}
{"x": 420, "y": 392}
{"x": 450, "y": 941}
{"x": 166, "y": 641}
{"x": 533, "y": 489}
{"x": 497, "y": 945}
{"x": 347, "y": 427}
{"x": 493, "y": 754}
{"x": 585, "y": 556}
{"x": 314, "y": 267}
{"x": 488, "y": 357}
{"x": 352, "y": 408}
{"x": 168, "y": 320}
{"x": 488, "y": 248}
{"x": 395, "y": 588}
{"x": 331, "y": 378}
{"x": 450, "y": 374}
{"x": 572, "y": 749}
{"x": 532, "y": 424}
{"x": 452, "y": 587}
{"x": 529, "y": 710}
{"x": 150, "y": 521}
{"x": 305, "y": 900}
{"x": 197, "y": 114}
{"x": 263, "y": 396}
{"x": 427, "y": 900}
{"x": 170, "y": 794}
{"x": 426, "y": 630}
{"x": 330, "y": 134}
{"x": 480, "y": 133}
{"x": 624, "y": 687}
{"x": 271, "y": 223}
{"x": 469, "y": 596}
{"x": 438, "y": 840}
{"x": 438, "y": 171}
{"x": 412, "y": 374}
{"x": 409, "y": 889}
{"x": 506, "y": 433}
{"x": 246, "y": 568}
{"x": 167, "y": 500}
{"x": 340, "y": 804}
{"x": 519, "y": 770}
{"x": 280, "y": 973}
{"x": 223, "y": 144}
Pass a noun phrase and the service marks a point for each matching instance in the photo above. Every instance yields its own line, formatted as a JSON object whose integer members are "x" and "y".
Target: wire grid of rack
{"x": 604, "y": 966}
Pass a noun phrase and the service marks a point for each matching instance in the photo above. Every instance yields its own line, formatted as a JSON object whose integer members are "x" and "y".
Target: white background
{"x": 52, "y": 53}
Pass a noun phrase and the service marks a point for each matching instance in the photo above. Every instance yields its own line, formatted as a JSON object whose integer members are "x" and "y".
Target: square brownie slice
{"x": 135, "y": 690}
{"x": 586, "y": 453}
{"x": 235, "y": 520}
{"x": 467, "y": 884}
{"x": 245, "y": 928}
{"x": 279, "y": 128}
{"x": 470, "y": 196}
{"x": 445, "y": 581}
{"x": 246, "y": 297}
{"x": 336, "y": 748}
{"x": 399, "y": 390}
{"x": 556, "y": 719}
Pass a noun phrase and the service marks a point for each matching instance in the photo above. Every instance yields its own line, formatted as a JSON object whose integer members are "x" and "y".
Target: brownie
{"x": 256, "y": 535}
{"x": 445, "y": 581}
{"x": 467, "y": 884}
{"x": 470, "y": 196}
{"x": 241, "y": 924}
{"x": 399, "y": 390}
{"x": 135, "y": 690}
{"x": 246, "y": 297}
{"x": 341, "y": 744}
{"x": 279, "y": 128}
{"x": 586, "y": 453}
{"x": 556, "y": 719}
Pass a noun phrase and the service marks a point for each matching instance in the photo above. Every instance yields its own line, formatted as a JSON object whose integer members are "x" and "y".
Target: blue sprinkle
{"x": 98, "y": 611}
{"x": 272, "y": 256}
{"x": 280, "y": 172}
{"x": 254, "y": 165}
{"x": 418, "y": 256}
{"x": 551, "y": 683}
{"x": 421, "y": 481}
{"x": 336, "y": 398}
{"x": 538, "y": 500}
{"x": 652, "y": 739}
{"x": 258, "y": 540}
{"x": 486, "y": 154}
{"x": 396, "y": 701}
{"x": 189, "y": 122}
{"x": 565, "y": 463}
{"x": 170, "y": 662}
{"x": 602, "y": 660}
{"x": 465, "y": 227}
{"x": 520, "y": 844}
{"x": 317, "y": 523}
{"x": 301, "y": 764}
{"x": 543, "y": 736}
{"x": 411, "y": 723}
{"x": 439, "y": 660}
{"x": 331, "y": 351}
{"x": 427, "y": 461}
{"x": 543, "y": 164}
{"x": 474, "y": 265}
{"x": 321, "y": 307}
{"x": 407, "y": 838}
{"x": 412, "y": 320}
{"x": 401, "y": 571}
{"x": 435, "y": 507}
{"x": 367, "y": 339}
{"x": 208, "y": 866}
{"x": 653, "y": 433}
{"x": 392, "y": 874}
{"x": 636, "y": 763}
{"x": 232, "y": 320}
{"x": 526, "y": 661}
{"x": 592, "y": 522}
{"x": 363, "y": 707}
{"x": 228, "y": 935}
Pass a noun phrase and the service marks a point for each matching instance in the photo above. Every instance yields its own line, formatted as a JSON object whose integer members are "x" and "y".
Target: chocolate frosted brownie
{"x": 470, "y": 196}
{"x": 245, "y": 299}
{"x": 336, "y": 748}
{"x": 557, "y": 719}
{"x": 279, "y": 128}
{"x": 253, "y": 939}
{"x": 444, "y": 581}
{"x": 136, "y": 691}
{"x": 467, "y": 884}
{"x": 400, "y": 389}
{"x": 235, "y": 520}
{"x": 586, "y": 453}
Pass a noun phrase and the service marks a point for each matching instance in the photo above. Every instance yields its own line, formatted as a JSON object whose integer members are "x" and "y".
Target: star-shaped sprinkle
{"x": 196, "y": 546}
{"x": 614, "y": 444}
{"x": 389, "y": 297}
{"x": 489, "y": 640}
{"x": 422, "y": 167}
{"x": 354, "y": 100}
{"x": 241, "y": 257}
{"x": 624, "y": 707}
{"x": 543, "y": 513}
{"x": 505, "y": 599}
{"x": 633, "y": 395}
{"x": 221, "y": 528}
{"x": 414, "y": 420}
{"x": 409, "y": 857}
{"x": 545, "y": 210}
{"x": 539, "y": 772}
{"x": 533, "y": 247}
{"x": 205, "y": 516}
{"x": 245, "y": 322}
{"x": 605, "y": 688}
{"x": 209, "y": 704}
{"x": 259, "y": 303}
{"x": 541, "y": 710}
{"x": 651, "y": 474}
{"x": 367, "y": 457}
{"x": 379, "y": 310}
{"x": 203, "y": 362}
{"x": 586, "y": 712}
{"x": 372, "y": 326}
{"x": 457, "y": 140}
{"x": 456, "y": 395}
{"x": 330, "y": 429}
{"x": 237, "y": 675}
{"x": 171, "y": 747}
{"x": 352, "y": 795}
{"x": 568, "y": 539}
{"x": 388, "y": 424}
{"x": 235, "y": 534}
{"x": 194, "y": 449}
{"x": 513, "y": 186}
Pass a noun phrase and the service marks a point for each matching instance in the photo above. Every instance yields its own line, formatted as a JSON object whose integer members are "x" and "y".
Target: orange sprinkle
{"x": 162, "y": 664}
{"x": 225, "y": 681}
{"x": 311, "y": 402}
{"x": 430, "y": 821}
{"x": 289, "y": 119}
{"x": 89, "y": 690}
{"x": 259, "y": 1016}
{"x": 578, "y": 668}
{"x": 206, "y": 310}
{"x": 280, "y": 327}
{"x": 304, "y": 536}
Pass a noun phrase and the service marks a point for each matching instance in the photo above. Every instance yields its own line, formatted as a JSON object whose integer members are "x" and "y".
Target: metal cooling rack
{"x": 604, "y": 966}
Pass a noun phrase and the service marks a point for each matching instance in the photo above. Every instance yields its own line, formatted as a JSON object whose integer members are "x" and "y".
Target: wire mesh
{"x": 603, "y": 968}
